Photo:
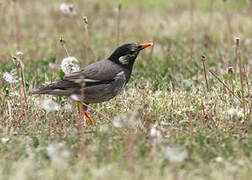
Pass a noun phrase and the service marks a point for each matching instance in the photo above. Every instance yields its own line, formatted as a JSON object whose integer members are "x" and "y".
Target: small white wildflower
{"x": 67, "y": 8}
{"x": 218, "y": 159}
{"x": 231, "y": 111}
{"x": 67, "y": 107}
{"x": 117, "y": 123}
{"x": 50, "y": 105}
{"x": 164, "y": 123}
{"x": 4, "y": 140}
{"x": 11, "y": 77}
{"x": 115, "y": 10}
{"x": 68, "y": 65}
{"x": 52, "y": 65}
{"x": 19, "y": 53}
{"x": 154, "y": 132}
{"x": 175, "y": 155}
{"x": 156, "y": 135}
{"x": 239, "y": 113}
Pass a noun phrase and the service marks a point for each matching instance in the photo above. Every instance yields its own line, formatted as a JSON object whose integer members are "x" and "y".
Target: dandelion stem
{"x": 86, "y": 35}
{"x": 241, "y": 75}
{"x": 203, "y": 59}
{"x": 21, "y": 79}
{"x": 225, "y": 85}
{"x": 247, "y": 82}
{"x": 63, "y": 44}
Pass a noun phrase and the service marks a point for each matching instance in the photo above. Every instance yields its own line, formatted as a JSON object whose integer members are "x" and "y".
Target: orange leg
{"x": 84, "y": 113}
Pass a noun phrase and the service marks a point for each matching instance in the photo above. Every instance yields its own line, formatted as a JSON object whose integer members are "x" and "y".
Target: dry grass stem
{"x": 16, "y": 23}
{"x": 191, "y": 30}
{"x": 118, "y": 23}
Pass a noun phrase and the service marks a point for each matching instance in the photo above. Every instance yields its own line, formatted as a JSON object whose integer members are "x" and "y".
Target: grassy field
{"x": 167, "y": 123}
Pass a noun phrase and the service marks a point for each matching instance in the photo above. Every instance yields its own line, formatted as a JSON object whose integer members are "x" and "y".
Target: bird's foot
{"x": 84, "y": 113}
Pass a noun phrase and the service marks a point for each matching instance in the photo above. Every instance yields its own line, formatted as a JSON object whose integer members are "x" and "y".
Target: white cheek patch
{"x": 124, "y": 59}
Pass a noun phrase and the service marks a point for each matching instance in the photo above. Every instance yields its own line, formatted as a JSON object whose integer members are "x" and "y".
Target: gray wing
{"x": 104, "y": 70}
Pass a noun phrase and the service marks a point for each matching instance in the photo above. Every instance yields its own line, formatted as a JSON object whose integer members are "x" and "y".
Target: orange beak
{"x": 146, "y": 45}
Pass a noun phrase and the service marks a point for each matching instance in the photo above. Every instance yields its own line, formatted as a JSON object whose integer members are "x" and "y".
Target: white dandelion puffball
{"x": 69, "y": 65}
{"x": 10, "y": 77}
{"x": 175, "y": 155}
{"x": 50, "y": 105}
{"x": 4, "y": 140}
{"x": 67, "y": 8}
{"x": 19, "y": 53}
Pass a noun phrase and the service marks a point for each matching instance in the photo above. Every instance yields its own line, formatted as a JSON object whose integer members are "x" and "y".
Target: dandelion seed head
{"x": 239, "y": 113}
{"x": 68, "y": 65}
{"x": 218, "y": 159}
{"x": 67, "y": 8}
{"x": 4, "y": 140}
{"x": 19, "y": 53}
{"x": 154, "y": 132}
{"x": 155, "y": 135}
{"x": 231, "y": 111}
{"x": 50, "y": 105}
{"x": 11, "y": 77}
{"x": 67, "y": 107}
{"x": 117, "y": 123}
{"x": 175, "y": 155}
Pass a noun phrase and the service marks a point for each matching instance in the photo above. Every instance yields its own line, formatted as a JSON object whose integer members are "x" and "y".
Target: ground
{"x": 167, "y": 123}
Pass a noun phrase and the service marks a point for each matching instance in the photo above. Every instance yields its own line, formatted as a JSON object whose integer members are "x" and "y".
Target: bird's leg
{"x": 84, "y": 113}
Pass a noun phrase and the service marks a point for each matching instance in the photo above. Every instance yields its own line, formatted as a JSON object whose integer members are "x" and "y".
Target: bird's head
{"x": 126, "y": 54}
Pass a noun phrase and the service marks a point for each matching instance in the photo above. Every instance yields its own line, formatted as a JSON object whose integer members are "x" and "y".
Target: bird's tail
{"x": 45, "y": 90}
{"x": 61, "y": 88}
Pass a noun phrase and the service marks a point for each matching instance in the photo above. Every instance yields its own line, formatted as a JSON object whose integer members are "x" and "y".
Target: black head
{"x": 126, "y": 54}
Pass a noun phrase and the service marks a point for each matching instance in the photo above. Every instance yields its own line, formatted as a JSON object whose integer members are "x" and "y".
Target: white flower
{"x": 19, "y": 53}
{"x": 50, "y": 105}
{"x": 67, "y": 107}
{"x": 67, "y": 8}
{"x": 68, "y": 65}
{"x": 4, "y": 140}
{"x": 155, "y": 134}
{"x": 117, "y": 123}
{"x": 174, "y": 154}
{"x": 235, "y": 112}
{"x": 231, "y": 111}
{"x": 218, "y": 159}
{"x": 239, "y": 113}
{"x": 11, "y": 77}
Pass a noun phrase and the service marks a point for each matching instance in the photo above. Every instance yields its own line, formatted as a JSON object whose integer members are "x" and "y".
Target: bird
{"x": 99, "y": 81}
